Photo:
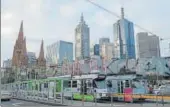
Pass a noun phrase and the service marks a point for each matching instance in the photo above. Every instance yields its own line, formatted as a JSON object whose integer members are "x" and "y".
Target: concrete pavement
{"x": 21, "y": 103}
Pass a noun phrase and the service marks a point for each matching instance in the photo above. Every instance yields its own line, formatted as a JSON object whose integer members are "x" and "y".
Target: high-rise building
{"x": 101, "y": 42}
{"x": 91, "y": 49}
{"x": 104, "y": 40}
{"x": 96, "y": 49}
{"x": 41, "y": 61}
{"x": 169, "y": 49}
{"x": 20, "y": 51}
{"x": 107, "y": 51}
{"x": 31, "y": 59}
{"x": 147, "y": 46}
{"x": 124, "y": 42}
{"x": 57, "y": 52}
{"x": 7, "y": 63}
{"x": 82, "y": 40}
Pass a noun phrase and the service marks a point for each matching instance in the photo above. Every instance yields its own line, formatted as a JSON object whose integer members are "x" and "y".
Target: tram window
{"x": 25, "y": 86}
{"x": 36, "y": 87}
{"x": 21, "y": 86}
{"x": 45, "y": 85}
{"x": 133, "y": 86}
{"x": 74, "y": 84}
{"x": 65, "y": 84}
{"x": 69, "y": 84}
{"x": 89, "y": 84}
{"x": 136, "y": 80}
{"x": 40, "y": 87}
{"x": 94, "y": 84}
{"x": 109, "y": 84}
{"x": 127, "y": 83}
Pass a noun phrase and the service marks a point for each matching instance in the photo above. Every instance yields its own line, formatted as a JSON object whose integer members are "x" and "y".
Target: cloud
{"x": 100, "y": 19}
{"x": 53, "y": 20}
{"x": 6, "y": 31}
{"x": 7, "y": 16}
{"x": 67, "y": 10}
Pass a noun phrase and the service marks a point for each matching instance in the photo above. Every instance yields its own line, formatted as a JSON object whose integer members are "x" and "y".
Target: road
{"x": 20, "y": 103}
{"x": 115, "y": 104}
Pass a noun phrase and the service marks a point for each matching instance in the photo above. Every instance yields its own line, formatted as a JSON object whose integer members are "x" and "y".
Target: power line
{"x": 97, "y": 5}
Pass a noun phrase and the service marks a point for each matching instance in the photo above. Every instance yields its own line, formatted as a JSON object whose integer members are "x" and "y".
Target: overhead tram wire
{"x": 118, "y": 16}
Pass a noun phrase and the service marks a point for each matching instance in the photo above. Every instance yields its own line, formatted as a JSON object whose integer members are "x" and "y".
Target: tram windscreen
{"x": 100, "y": 84}
{"x": 137, "y": 84}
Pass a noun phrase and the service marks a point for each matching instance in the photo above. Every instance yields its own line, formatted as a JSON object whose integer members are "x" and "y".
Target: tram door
{"x": 120, "y": 86}
{"x": 51, "y": 89}
{"x": 83, "y": 87}
{"x": 89, "y": 86}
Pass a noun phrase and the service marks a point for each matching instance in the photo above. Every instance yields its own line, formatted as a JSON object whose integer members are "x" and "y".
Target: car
{"x": 162, "y": 90}
{"x": 5, "y": 95}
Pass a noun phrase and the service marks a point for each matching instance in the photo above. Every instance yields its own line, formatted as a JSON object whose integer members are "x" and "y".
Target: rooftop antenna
{"x": 122, "y": 12}
{"x": 82, "y": 18}
{"x": 122, "y": 9}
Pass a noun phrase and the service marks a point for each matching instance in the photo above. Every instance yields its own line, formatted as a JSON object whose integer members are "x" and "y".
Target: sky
{"x": 53, "y": 20}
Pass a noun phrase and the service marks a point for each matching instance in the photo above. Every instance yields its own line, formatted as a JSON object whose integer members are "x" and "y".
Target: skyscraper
{"x": 82, "y": 40}
{"x": 147, "y": 46}
{"x": 107, "y": 51}
{"x": 169, "y": 48}
{"x": 124, "y": 42}
{"x": 96, "y": 49}
{"x": 104, "y": 40}
{"x": 101, "y": 42}
{"x": 58, "y": 51}
{"x": 32, "y": 60}
{"x": 91, "y": 49}
{"x": 7, "y": 63}
{"x": 20, "y": 51}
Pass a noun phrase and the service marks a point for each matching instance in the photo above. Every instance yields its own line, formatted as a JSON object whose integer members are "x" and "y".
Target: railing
{"x": 91, "y": 99}
{"x": 144, "y": 96}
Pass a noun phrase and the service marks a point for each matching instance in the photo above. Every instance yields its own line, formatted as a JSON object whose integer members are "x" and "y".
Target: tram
{"x": 46, "y": 88}
{"x": 126, "y": 84}
{"x": 85, "y": 87}
{"x": 88, "y": 87}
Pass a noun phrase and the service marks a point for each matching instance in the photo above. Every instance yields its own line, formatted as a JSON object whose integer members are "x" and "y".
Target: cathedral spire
{"x": 25, "y": 57}
{"x": 41, "y": 58}
{"x": 20, "y": 52}
{"x": 21, "y": 33}
{"x": 41, "y": 55}
{"x": 24, "y": 46}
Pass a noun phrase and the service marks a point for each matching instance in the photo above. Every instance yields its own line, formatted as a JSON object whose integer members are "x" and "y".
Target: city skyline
{"x": 36, "y": 29}
{"x": 82, "y": 39}
{"x": 147, "y": 45}
{"x": 123, "y": 34}
{"x": 58, "y": 51}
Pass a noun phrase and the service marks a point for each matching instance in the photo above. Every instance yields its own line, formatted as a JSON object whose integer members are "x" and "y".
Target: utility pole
{"x": 0, "y": 84}
{"x": 0, "y": 74}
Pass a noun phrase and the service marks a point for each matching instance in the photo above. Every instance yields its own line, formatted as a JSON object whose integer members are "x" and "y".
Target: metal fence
{"x": 91, "y": 100}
